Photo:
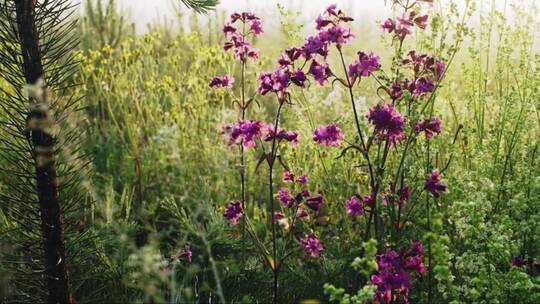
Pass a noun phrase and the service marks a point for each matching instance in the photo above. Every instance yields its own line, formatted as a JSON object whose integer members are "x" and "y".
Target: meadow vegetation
{"x": 441, "y": 182}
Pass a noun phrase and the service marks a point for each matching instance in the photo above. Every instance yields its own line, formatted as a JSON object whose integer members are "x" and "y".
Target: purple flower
{"x": 312, "y": 245}
{"x": 290, "y": 136}
{"x": 235, "y": 17}
{"x": 242, "y": 48}
{"x": 369, "y": 200}
{"x": 320, "y": 71}
{"x": 365, "y": 65}
{"x": 396, "y": 92}
{"x": 315, "y": 203}
{"x": 305, "y": 193}
{"x": 303, "y": 179}
{"x": 284, "y": 61}
{"x": 434, "y": 185}
{"x": 389, "y": 25}
{"x": 429, "y": 126}
{"x": 244, "y": 17}
{"x": 439, "y": 69}
{"x": 388, "y": 122}
{"x": 403, "y": 26}
{"x": 322, "y": 22}
{"x": 288, "y": 176}
{"x": 234, "y": 212}
{"x": 331, "y": 10}
{"x": 256, "y": 27}
{"x": 265, "y": 83}
{"x": 299, "y": 78}
{"x": 331, "y": 17}
{"x": 314, "y": 46}
{"x": 246, "y": 131}
{"x": 393, "y": 278}
{"x": 337, "y": 35}
{"x": 422, "y": 86}
{"x": 277, "y": 82}
{"x": 221, "y": 82}
{"x": 354, "y": 206}
{"x": 301, "y": 213}
{"x": 329, "y": 135}
{"x": 229, "y": 29}
{"x": 285, "y": 197}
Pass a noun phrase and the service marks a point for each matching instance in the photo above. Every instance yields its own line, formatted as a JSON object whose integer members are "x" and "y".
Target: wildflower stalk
{"x": 428, "y": 217}
{"x": 356, "y": 119}
{"x": 364, "y": 148}
{"x": 243, "y": 107}
{"x": 275, "y": 267}
{"x": 375, "y": 177}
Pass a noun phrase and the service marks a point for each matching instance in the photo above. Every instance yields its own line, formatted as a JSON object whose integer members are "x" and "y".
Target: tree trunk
{"x": 52, "y": 220}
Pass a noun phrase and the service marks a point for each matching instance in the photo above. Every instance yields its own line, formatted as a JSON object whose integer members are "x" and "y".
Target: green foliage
{"x": 365, "y": 266}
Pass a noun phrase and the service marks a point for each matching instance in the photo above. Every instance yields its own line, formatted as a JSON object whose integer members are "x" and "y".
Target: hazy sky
{"x": 144, "y": 11}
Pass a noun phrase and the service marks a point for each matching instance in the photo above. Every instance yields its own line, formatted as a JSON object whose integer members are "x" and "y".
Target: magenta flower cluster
{"x": 402, "y": 26}
{"x": 312, "y": 245}
{"x": 329, "y": 135}
{"x": 248, "y": 131}
{"x": 289, "y": 199}
{"x": 364, "y": 66}
{"x": 245, "y": 131}
{"x": 429, "y": 127}
{"x": 234, "y": 212}
{"x": 313, "y": 52}
{"x": 354, "y": 206}
{"x": 434, "y": 185}
{"x": 299, "y": 198}
{"x": 426, "y": 71}
{"x": 281, "y": 135}
{"x": 395, "y": 273}
{"x": 237, "y": 37}
{"x": 388, "y": 123}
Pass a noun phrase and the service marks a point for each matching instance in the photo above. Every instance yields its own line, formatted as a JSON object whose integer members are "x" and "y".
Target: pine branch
{"x": 200, "y": 6}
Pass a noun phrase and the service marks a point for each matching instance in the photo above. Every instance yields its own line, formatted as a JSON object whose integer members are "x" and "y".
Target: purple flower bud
{"x": 234, "y": 212}
{"x": 221, "y": 82}
{"x": 434, "y": 185}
